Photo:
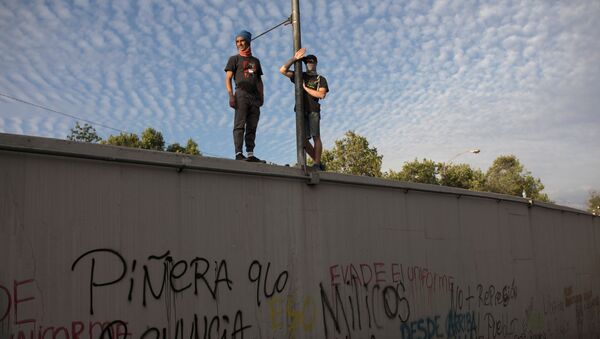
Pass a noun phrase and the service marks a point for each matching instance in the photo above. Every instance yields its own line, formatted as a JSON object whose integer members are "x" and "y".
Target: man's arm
{"x": 261, "y": 92}
{"x": 285, "y": 69}
{"x": 320, "y": 94}
{"x": 228, "y": 77}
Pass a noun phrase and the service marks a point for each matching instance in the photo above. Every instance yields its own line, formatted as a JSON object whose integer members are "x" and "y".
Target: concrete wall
{"x": 155, "y": 245}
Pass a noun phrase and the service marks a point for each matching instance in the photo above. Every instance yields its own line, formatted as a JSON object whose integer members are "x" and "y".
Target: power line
{"x": 286, "y": 22}
{"x": 78, "y": 118}
{"x": 61, "y": 113}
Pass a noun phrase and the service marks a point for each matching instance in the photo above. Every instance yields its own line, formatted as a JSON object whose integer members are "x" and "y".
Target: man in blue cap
{"x": 248, "y": 97}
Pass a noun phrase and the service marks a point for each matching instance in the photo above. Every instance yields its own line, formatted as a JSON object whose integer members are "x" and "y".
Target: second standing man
{"x": 315, "y": 88}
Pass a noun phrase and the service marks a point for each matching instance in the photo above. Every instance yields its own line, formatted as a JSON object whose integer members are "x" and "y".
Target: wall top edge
{"x": 181, "y": 162}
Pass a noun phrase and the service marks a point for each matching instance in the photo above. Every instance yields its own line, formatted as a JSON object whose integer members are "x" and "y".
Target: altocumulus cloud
{"x": 417, "y": 78}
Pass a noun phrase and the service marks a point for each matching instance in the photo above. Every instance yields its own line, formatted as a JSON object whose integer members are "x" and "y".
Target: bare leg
{"x": 309, "y": 149}
{"x": 318, "y": 149}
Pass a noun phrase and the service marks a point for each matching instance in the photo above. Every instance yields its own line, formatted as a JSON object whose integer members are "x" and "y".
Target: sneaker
{"x": 316, "y": 167}
{"x": 322, "y": 166}
{"x": 240, "y": 156}
{"x": 254, "y": 159}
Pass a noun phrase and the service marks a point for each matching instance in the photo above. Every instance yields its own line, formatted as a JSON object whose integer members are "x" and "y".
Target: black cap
{"x": 309, "y": 57}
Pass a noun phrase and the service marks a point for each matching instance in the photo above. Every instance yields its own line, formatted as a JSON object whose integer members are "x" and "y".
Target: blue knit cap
{"x": 244, "y": 35}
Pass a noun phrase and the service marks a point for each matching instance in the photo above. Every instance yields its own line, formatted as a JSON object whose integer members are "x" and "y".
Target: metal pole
{"x": 301, "y": 155}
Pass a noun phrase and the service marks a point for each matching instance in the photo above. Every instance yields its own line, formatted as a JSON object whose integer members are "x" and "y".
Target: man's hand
{"x": 285, "y": 69}
{"x": 232, "y": 101}
{"x": 320, "y": 94}
{"x": 300, "y": 53}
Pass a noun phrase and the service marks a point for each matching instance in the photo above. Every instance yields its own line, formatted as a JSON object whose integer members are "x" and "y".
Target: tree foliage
{"x": 175, "y": 148}
{"x": 85, "y": 133}
{"x": 123, "y": 139}
{"x": 152, "y": 139}
{"x": 191, "y": 147}
{"x": 508, "y": 176}
{"x": 435, "y": 173}
{"x": 594, "y": 203}
{"x": 416, "y": 171}
{"x": 462, "y": 176}
{"x": 352, "y": 155}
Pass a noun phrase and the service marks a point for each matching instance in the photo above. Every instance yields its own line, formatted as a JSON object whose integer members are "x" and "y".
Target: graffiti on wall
{"x": 19, "y": 308}
{"x": 362, "y": 307}
{"x": 415, "y": 276}
{"x": 155, "y": 281}
{"x": 357, "y": 300}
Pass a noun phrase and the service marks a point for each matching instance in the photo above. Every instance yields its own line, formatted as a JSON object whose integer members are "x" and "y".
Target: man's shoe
{"x": 240, "y": 156}
{"x": 322, "y": 166}
{"x": 316, "y": 167}
{"x": 254, "y": 159}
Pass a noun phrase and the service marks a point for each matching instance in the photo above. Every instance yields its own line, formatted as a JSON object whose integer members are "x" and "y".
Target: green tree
{"x": 594, "y": 203}
{"x": 152, "y": 139}
{"x": 461, "y": 176}
{"x": 352, "y": 155}
{"x": 424, "y": 172}
{"x": 123, "y": 139}
{"x": 429, "y": 172}
{"x": 508, "y": 176}
{"x": 191, "y": 147}
{"x": 478, "y": 181}
{"x": 85, "y": 133}
{"x": 176, "y": 148}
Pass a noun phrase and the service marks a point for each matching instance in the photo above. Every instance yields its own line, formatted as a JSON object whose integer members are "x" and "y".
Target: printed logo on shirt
{"x": 249, "y": 69}
{"x": 313, "y": 83}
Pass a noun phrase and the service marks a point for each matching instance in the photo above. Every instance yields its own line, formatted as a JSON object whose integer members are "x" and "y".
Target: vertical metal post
{"x": 300, "y": 138}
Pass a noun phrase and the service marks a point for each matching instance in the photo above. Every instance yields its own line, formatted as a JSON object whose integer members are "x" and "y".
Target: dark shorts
{"x": 312, "y": 124}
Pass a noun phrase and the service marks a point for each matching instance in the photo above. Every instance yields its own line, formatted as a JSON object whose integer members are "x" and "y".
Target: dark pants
{"x": 247, "y": 113}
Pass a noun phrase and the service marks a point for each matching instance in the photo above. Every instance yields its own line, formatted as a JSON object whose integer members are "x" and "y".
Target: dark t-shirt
{"x": 246, "y": 73}
{"x": 312, "y": 81}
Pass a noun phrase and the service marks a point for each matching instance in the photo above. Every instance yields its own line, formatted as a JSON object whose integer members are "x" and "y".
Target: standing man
{"x": 245, "y": 70}
{"x": 315, "y": 88}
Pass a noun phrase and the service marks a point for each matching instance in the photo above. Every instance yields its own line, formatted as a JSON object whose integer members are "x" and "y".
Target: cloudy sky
{"x": 419, "y": 78}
